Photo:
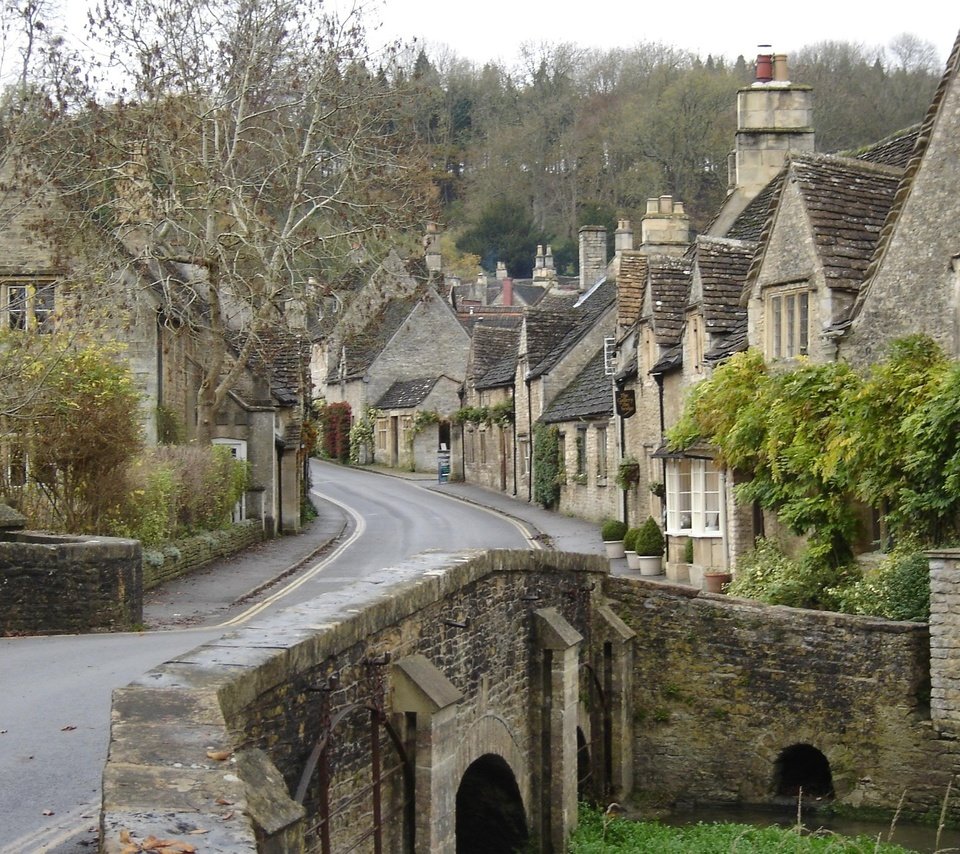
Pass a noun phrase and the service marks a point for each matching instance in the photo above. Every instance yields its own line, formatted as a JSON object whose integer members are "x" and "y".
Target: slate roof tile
{"x": 723, "y": 266}
{"x": 406, "y": 394}
{"x": 631, "y": 283}
{"x": 590, "y": 395}
{"x": 669, "y": 293}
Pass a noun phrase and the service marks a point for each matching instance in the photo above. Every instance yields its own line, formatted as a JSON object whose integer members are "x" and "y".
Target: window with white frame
{"x": 788, "y": 322}
{"x": 28, "y": 304}
{"x": 523, "y": 455}
{"x": 694, "y": 498}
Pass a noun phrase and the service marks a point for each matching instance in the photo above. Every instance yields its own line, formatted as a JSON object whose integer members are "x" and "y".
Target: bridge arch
{"x": 490, "y": 813}
{"x": 802, "y": 768}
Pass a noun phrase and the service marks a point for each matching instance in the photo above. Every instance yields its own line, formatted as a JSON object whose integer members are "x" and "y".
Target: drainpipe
{"x": 623, "y": 452}
{"x": 513, "y": 397}
{"x": 462, "y": 393}
{"x": 663, "y": 463}
{"x": 530, "y": 428}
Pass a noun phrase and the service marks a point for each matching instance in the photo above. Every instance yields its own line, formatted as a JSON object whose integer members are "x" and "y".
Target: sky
{"x": 495, "y": 29}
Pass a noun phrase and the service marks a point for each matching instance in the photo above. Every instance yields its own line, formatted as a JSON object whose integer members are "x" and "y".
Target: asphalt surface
{"x": 210, "y": 593}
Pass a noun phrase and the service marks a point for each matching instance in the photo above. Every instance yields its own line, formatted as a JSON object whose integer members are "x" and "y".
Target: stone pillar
{"x": 559, "y": 645}
{"x": 593, "y": 255}
{"x": 617, "y": 672}
{"x": 262, "y": 456}
{"x": 431, "y": 248}
{"x": 945, "y": 641}
{"x": 429, "y": 701}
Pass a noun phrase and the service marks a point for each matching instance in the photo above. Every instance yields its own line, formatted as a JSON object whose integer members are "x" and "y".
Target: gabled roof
{"x": 406, "y": 394}
{"x": 847, "y": 202}
{"x": 906, "y": 184}
{"x": 362, "y": 348}
{"x": 723, "y": 266}
{"x": 896, "y": 150}
{"x": 283, "y": 355}
{"x": 495, "y": 357}
{"x": 570, "y": 327}
{"x": 750, "y": 223}
{"x": 735, "y": 341}
{"x": 669, "y": 292}
{"x": 502, "y": 316}
{"x": 631, "y": 284}
{"x": 590, "y": 395}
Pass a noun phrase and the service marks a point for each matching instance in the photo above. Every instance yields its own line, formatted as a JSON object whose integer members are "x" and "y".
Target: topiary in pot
{"x": 648, "y": 544}
{"x": 629, "y": 545}
{"x": 612, "y": 532}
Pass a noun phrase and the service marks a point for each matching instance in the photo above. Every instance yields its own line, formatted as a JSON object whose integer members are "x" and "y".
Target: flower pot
{"x": 651, "y": 564}
{"x": 716, "y": 582}
{"x": 614, "y": 548}
{"x": 633, "y": 560}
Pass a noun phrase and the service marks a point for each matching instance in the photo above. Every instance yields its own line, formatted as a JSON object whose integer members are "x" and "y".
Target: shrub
{"x": 898, "y": 588}
{"x": 612, "y": 530}
{"x": 688, "y": 550}
{"x": 649, "y": 540}
{"x": 335, "y": 422}
{"x": 810, "y": 581}
{"x": 630, "y": 539}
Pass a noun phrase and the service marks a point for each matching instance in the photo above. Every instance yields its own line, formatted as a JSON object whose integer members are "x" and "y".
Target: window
{"x": 523, "y": 455}
{"x": 696, "y": 342}
{"x": 470, "y": 446}
{"x": 694, "y": 499}
{"x": 580, "y": 444}
{"x": 483, "y": 447}
{"x": 601, "y": 455}
{"x": 649, "y": 346}
{"x": 382, "y": 434}
{"x": 788, "y": 323}
{"x": 28, "y": 304}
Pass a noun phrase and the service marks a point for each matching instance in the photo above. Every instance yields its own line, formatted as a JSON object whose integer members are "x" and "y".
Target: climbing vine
{"x": 362, "y": 435}
{"x": 500, "y": 414}
{"x": 547, "y": 466}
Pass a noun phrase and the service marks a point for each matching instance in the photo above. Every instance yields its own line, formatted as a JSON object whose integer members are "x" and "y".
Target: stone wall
{"x": 456, "y": 650}
{"x": 54, "y": 584}
{"x": 723, "y": 686}
{"x": 183, "y": 556}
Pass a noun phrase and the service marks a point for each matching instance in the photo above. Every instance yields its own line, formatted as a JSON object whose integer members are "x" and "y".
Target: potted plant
{"x": 716, "y": 579}
{"x": 629, "y": 546}
{"x": 628, "y": 473}
{"x": 612, "y": 531}
{"x": 649, "y": 547}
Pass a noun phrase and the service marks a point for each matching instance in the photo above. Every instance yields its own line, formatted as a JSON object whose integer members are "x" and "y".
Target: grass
{"x": 600, "y": 834}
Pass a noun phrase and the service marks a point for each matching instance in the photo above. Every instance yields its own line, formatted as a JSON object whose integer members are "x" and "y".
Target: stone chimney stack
{"x": 431, "y": 248}
{"x": 774, "y": 118}
{"x": 623, "y": 237}
{"x": 665, "y": 228}
{"x": 593, "y": 255}
{"x": 501, "y": 271}
{"x": 543, "y": 270}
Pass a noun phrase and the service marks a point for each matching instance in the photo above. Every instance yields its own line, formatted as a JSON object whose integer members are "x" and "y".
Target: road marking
{"x": 80, "y": 819}
{"x": 314, "y": 570}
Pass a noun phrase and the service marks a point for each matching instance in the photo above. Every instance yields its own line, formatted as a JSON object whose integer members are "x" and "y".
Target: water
{"x": 922, "y": 838}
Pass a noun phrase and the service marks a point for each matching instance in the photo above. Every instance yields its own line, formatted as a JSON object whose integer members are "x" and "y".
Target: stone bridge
{"x": 464, "y": 702}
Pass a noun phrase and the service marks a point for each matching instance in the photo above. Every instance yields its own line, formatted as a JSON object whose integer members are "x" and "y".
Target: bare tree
{"x": 235, "y": 149}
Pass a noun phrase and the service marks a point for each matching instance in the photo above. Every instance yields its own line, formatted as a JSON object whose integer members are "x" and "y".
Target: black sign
{"x": 626, "y": 402}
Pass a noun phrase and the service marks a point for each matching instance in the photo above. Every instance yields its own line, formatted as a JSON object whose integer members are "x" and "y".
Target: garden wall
{"x": 722, "y": 687}
{"x": 182, "y": 557}
{"x": 55, "y": 584}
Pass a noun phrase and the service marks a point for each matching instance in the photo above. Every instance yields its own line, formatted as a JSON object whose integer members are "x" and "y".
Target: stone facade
{"x": 54, "y": 584}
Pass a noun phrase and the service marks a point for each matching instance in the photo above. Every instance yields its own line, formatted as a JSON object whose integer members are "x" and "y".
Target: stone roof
{"x": 847, "y": 202}
{"x": 406, "y": 394}
{"x": 669, "y": 293}
{"x": 631, "y": 284}
{"x": 495, "y": 357}
{"x": 669, "y": 361}
{"x": 364, "y": 346}
{"x": 723, "y": 266}
{"x": 572, "y": 326}
{"x": 895, "y": 150}
{"x": 286, "y": 356}
{"x": 752, "y": 219}
{"x": 733, "y": 342}
{"x": 590, "y": 395}
{"x": 503, "y": 316}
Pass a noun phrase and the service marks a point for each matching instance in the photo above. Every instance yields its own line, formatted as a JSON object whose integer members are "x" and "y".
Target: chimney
{"x": 507, "y": 291}
{"x": 543, "y": 269}
{"x": 593, "y": 255}
{"x": 623, "y": 237}
{"x": 501, "y": 271}
{"x": 665, "y": 227}
{"x": 431, "y": 248}
{"x": 774, "y": 118}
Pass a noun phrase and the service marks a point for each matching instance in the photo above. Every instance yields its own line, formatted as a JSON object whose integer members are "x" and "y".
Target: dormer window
{"x": 788, "y": 322}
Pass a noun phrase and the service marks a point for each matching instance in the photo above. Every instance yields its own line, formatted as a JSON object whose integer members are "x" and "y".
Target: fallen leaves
{"x": 219, "y": 755}
{"x": 153, "y": 845}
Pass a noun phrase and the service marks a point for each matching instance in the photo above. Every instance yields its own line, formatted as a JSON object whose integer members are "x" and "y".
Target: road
{"x": 55, "y": 697}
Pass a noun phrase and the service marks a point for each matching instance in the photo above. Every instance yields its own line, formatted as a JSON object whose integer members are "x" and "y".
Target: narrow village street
{"x": 55, "y": 706}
